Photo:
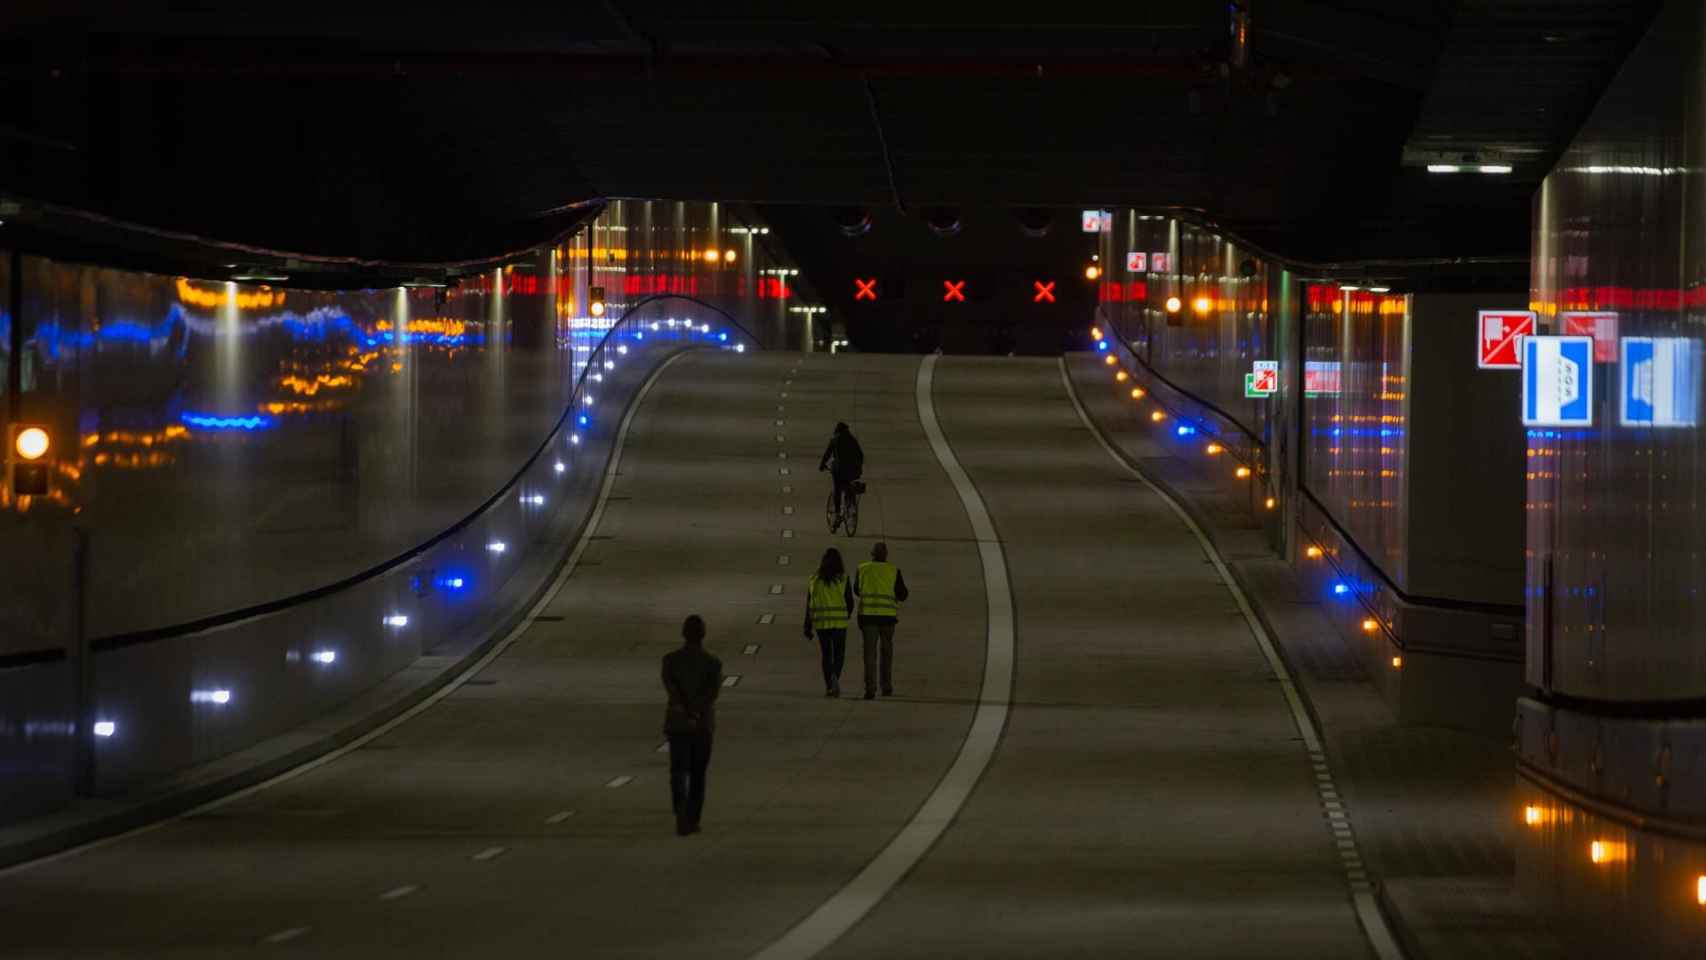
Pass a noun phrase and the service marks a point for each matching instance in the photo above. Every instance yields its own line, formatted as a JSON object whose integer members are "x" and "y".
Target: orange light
{"x": 729, "y": 255}
{"x": 32, "y": 443}
{"x": 1213, "y": 449}
{"x": 1137, "y": 393}
{"x": 711, "y": 256}
{"x": 1121, "y": 376}
{"x": 1095, "y": 333}
{"x": 1369, "y": 624}
{"x": 1532, "y": 815}
{"x": 1700, "y": 890}
{"x": 1108, "y": 360}
{"x": 1242, "y": 473}
{"x": 1092, "y": 272}
{"x": 1201, "y": 304}
{"x": 1174, "y": 304}
{"x": 1397, "y": 663}
{"x": 1158, "y": 416}
{"x": 1313, "y": 553}
{"x": 1606, "y": 851}
{"x": 596, "y": 308}
{"x": 1270, "y": 503}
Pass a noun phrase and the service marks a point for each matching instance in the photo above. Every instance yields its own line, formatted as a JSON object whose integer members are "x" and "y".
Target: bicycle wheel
{"x": 850, "y": 522}
{"x": 829, "y": 511}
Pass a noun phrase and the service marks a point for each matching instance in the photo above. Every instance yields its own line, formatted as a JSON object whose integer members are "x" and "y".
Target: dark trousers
{"x": 843, "y": 489}
{"x": 689, "y": 756}
{"x": 834, "y": 646}
{"x": 879, "y": 639}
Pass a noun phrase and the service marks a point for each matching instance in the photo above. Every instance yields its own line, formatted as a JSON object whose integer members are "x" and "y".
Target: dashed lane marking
{"x": 559, "y": 817}
{"x": 731, "y": 680}
{"x": 782, "y": 560}
{"x": 787, "y": 534}
{"x": 621, "y": 781}
{"x": 787, "y": 511}
{"x": 288, "y": 934}
{"x": 775, "y": 589}
{"x": 767, "y": 617}
{"x": 398, "y": 893}
{"x": 782, "y": 470}
{"x": 751, "y": 649}
{"x": 490, "y": 853}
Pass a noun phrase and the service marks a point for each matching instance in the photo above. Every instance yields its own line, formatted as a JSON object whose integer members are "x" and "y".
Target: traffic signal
{"x": 27, "y": 446}
{"x": 864, "y": 288}
{"x": 596, "y": 304}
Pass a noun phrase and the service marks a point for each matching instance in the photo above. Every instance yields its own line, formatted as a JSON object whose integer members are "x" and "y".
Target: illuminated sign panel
{"x": 953, "y": 291}
{"x": 1320, "y": 378}
{"x": 1660, "y": 382}
{"x": 1045, "y": 291}
{"x": 1097, "y": 221}
{"x": 1498, "y": 338}
{"x": 1557, "y": 381}
{"x": 1600, "y": 325}
{"x": 1136, "y": 262}
{"x": 1160, "y": 262}
{"x": 865, "y": 289}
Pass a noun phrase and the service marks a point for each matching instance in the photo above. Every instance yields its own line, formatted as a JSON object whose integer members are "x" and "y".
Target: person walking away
{"x": 845, "y": 461}
{"x": 692, "y": 677}
{"x": 881, "y": 590}
{"x": 829, "y": 605}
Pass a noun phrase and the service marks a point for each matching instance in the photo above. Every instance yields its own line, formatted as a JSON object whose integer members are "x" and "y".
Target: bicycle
{"x": 848, "y": 518}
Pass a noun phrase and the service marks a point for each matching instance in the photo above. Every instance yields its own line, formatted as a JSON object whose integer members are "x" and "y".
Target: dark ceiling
{"x": 447, "y": 133}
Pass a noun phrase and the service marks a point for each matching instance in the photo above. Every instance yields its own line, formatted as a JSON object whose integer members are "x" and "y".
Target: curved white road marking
{"x": 473, "y": 670}
{"x": 1372, "y": 921}
{"x": 851, "y": 903}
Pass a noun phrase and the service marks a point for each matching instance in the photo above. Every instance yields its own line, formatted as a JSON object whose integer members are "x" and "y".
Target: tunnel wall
{"x": 1422, "y": 570}
{"x": 1616, "y": 623}
{"x": 266, "y": 500}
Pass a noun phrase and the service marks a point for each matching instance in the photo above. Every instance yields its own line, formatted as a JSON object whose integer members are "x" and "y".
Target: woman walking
{"x": 829, "y": 605}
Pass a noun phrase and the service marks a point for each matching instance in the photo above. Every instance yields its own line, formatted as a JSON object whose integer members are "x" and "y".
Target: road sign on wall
{"x": 1136, "y": 262}
{"x": 1320, "y": 377}
{"x": 1557, "y": 381}
{"x": 1600, "y": 325}
{"x": 1498, "y": 338}
{"x": 1266, "y": 376}
{"x": 1660, "y": 382}
{"x": 1160, "y": 262}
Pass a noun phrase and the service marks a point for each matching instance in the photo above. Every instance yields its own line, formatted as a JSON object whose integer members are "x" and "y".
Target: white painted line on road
{"x": 1374, "y": 926}
{"x": 787, "y": 534}
{"x": 787, "y": 489}
{"x": 767, "y": 617}
{"x": 474, "y": 669}
{"x": 490, "y": 853}
{"x": 775, "y": 589}
{"x": 398, "y": 893}
{"x": 782, "y": 560}
{"x": 782, "y": 470}
{"x": 787, "y": 511}
{"x": 751, "y": 649}
{"x": 559, "y": 817}
{"x": 288, "y": 934}
{"x": 621, "y": 781}
{"x": 781, "y": 438}
{"x": 835, "y": 916}
{"x": 781, "y": 454}
{"x": 731, "y": 680}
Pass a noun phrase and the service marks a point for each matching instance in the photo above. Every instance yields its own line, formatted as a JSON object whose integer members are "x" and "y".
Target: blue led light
{"x": 205, "y": 421}
{"x": 583, "y": 420}
{"x": 1340, "y": 589}
{"x": 1102, "y": 345}
{"x": 452, "y": 581}
{"x": 723, "y": 337}
{"x": 1185, "y": 430}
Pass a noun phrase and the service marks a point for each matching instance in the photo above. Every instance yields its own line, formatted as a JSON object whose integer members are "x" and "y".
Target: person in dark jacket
{"x": 692, "y": 677}
{"x": 845, "y": 461}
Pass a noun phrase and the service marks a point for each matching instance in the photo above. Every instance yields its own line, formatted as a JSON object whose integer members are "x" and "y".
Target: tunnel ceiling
{"x": 322, "y": 128}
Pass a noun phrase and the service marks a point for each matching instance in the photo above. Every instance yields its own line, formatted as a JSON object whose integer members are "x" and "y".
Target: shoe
{"x": 834, "y": 691}
{"x": 870, "y": 694}
{"x": 682, "y": 827}
{"x": 693, "y": 828}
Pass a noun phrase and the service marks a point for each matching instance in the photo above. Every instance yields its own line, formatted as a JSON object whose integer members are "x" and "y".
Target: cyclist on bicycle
{"x": 845, "y": 461}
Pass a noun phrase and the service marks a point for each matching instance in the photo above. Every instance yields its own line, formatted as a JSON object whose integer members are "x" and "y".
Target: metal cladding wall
{"x": 266, "y": 500}
{"x": 1616, "y": 520}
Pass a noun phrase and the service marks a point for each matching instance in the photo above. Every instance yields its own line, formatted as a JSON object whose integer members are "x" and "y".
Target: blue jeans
{"x": 834, "y": 646}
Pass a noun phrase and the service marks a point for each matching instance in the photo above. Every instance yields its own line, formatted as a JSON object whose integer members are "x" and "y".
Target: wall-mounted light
{"x": 1174, "y": 304}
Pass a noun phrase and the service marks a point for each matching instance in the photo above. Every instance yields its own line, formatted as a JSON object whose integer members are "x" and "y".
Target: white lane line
{"x": 780, "y": 422}
{"x": 384, "y": 729}
{"x": 782, "y": 560}
{"x": 787, "y": 534}
{"x": 1380, "y": 937}
{"x": 621, "y": 781}
{"x": 847, "y": 906}
{"x": 787, "y": 489}
{"x": 782, "y": 470}
{"x": 398, "y": 893}
{"x": 288, "y": 934}
{"x": 559, "y": 817}
{"x": 767, "y": 618}
{"x": 490, "y": 853}
{"x": 751, "y": 649}
{"x": 781, "y": 454}
{"x": 787, "y": 511}
{"x": 731, "y": 680}
{"x": 780, "y": 438}
{"x": 775, "y": 589}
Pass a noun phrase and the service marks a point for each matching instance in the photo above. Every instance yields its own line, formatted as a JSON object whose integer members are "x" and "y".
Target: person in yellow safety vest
{"x": 829, "y": 605}
{"x": 881, "y": 590}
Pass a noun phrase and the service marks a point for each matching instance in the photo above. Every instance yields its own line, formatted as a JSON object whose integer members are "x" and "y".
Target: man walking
{"x": 881, "y": 590}
{"x": 692, "y": 678}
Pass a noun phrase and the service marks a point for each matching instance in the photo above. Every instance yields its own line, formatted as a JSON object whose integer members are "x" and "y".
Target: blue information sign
{"x": 1557, "y": 381}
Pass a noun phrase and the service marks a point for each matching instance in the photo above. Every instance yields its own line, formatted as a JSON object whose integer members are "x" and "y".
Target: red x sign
{"x": 952, "y": 291}
{"x": 1045, "y": 291}
{"x": 867, "y": 289}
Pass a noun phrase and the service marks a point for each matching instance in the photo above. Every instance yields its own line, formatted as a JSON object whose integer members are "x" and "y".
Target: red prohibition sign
{"x": 867, "y": 289}
{"x": 1045, "y": 291}
{"x": 952, "y": 291}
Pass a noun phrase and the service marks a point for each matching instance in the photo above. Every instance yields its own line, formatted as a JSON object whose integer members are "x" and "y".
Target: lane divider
{"x": 847, "y": 906}
{"x": 1374, "y": 926}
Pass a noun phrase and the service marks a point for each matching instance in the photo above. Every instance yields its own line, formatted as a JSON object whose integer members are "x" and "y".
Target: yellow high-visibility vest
{"x": 828, "y": 603}
{"x": 875, "y": 586}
